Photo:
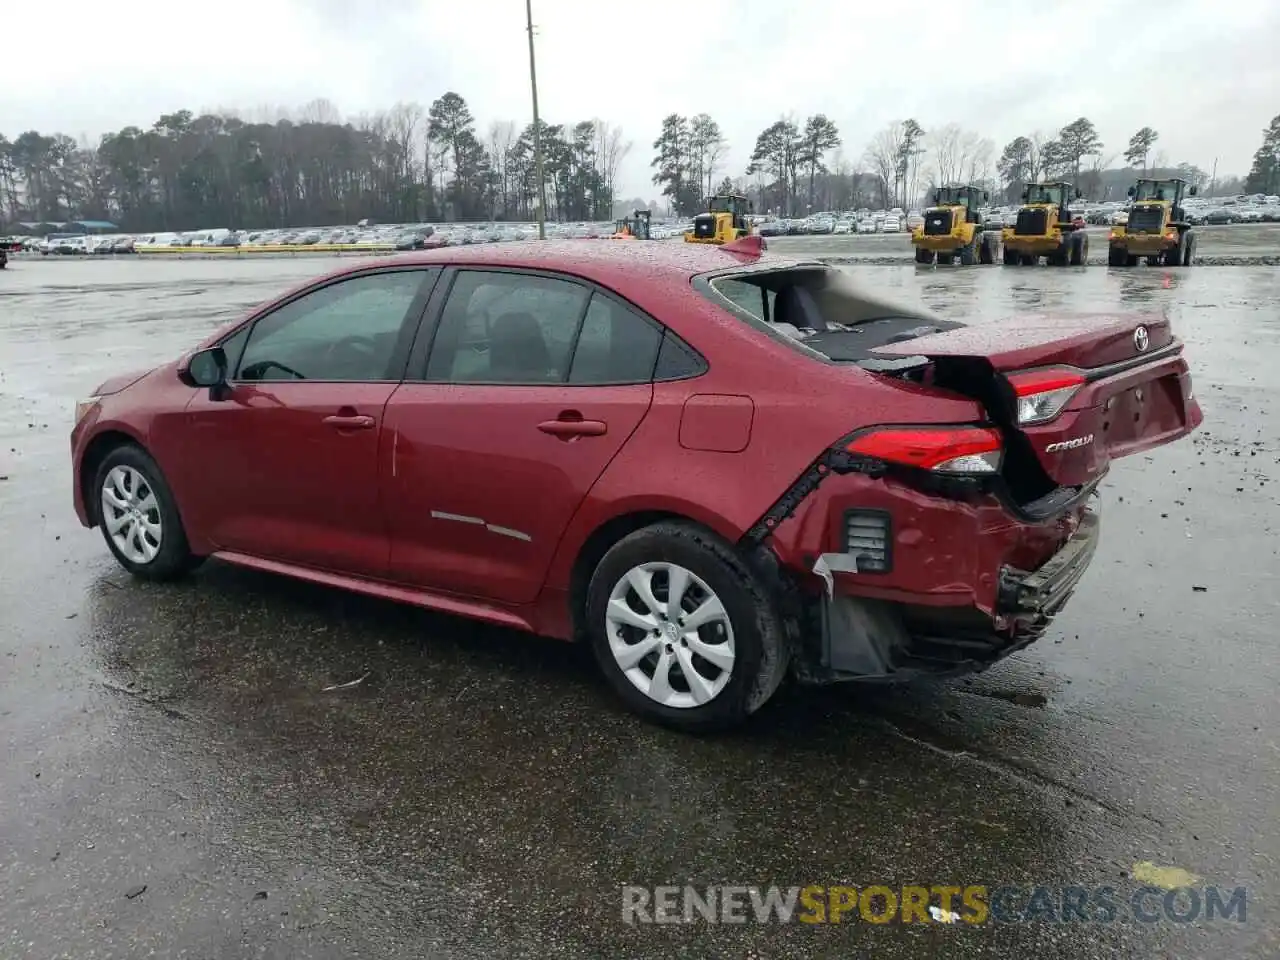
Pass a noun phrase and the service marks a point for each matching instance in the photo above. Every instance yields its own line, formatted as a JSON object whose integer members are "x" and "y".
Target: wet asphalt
{"x": 177, "y": 782}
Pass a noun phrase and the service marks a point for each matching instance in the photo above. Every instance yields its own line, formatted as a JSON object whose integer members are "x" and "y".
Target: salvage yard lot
{"x": 482, "y": 793}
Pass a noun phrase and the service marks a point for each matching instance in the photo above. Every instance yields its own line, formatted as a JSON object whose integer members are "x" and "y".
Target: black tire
{"x": 1079, "y": 249}
{"x": 986, "y": 251}
{"x": 174, "y": 557}
{"x": 1058, "y": 258}
{"x": 761, "y": 654}
{"x": 968, "y": 253}
{"x": 923, "y": 255}
{"x": 1173, "y": 256}
{"x": 1030, "y": 260}
{"x": 1011, "y": 257}
{"x": 1115, "y": 256}
{"x": 1189, "y": 256}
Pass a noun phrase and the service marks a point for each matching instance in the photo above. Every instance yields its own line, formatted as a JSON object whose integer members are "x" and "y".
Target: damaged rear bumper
{"x": 858, "y": 638}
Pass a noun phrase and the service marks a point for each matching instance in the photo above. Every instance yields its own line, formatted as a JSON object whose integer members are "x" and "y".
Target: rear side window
{"x": 616, "y": 345}
{"x": 506, "y": 328}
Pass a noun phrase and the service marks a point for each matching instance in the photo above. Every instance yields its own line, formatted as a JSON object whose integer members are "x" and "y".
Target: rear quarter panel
{"x": 801, "y": 407}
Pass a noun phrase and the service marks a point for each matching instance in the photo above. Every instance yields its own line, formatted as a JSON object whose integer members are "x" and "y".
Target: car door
{"x": 286, "y": 460}
{"x": 532, "y": 384}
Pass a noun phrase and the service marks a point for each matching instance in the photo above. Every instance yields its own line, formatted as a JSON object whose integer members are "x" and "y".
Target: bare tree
{"x": 319, "y": 110}
{"x": 945, "y": 143}
{"x": 976, "y": 155}
{"x": 611, "y": 149}
{"x": 882, "y": 157}
{"x": 502, "y": 137}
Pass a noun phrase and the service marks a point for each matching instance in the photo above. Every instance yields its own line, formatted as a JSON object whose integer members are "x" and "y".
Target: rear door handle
{"x": 568, "y": 429}
{"x": 350, "y": 423}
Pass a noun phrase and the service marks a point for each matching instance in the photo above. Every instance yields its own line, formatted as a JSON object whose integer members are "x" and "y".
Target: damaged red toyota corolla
{"x": 720, "y": 468}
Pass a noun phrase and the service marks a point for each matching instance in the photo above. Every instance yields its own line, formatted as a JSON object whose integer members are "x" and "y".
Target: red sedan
{"x": 719, "y": 467}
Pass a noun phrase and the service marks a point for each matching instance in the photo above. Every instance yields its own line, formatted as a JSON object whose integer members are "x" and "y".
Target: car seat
{"x": 796, "y": 306}
{"x": 517, "y": 350}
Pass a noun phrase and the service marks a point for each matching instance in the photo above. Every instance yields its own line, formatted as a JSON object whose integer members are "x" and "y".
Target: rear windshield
{"x": 821, "y": 312}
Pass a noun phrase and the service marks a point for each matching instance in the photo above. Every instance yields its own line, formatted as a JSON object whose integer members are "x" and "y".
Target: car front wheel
{"x": 139, "y": 517}
{"x": 686, "y": 633}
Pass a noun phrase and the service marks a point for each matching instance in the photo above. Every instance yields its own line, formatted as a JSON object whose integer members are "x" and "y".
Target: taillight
{"x": 964, "y": 450}
{"x": 1041, "y": 394}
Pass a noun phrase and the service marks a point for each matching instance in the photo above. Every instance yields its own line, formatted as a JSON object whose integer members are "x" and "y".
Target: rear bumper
{"x": 855, "y": 638}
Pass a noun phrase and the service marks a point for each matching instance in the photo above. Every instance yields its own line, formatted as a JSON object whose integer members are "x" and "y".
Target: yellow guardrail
{"x": 273, "y": 248}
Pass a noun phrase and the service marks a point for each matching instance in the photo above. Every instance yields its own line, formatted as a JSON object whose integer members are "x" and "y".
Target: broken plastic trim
{"x": 830, "y": 563}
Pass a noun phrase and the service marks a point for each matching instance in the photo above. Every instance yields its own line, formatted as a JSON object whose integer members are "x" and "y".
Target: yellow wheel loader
{"x": 1157, "y": 227}
{"x": 953, "y": 227}
{"x": 1046, "y": 228}
{"x": 725, "y": 221}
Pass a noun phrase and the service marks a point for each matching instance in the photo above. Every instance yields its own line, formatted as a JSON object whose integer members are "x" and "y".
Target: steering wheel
{"x": 256, "y": 371}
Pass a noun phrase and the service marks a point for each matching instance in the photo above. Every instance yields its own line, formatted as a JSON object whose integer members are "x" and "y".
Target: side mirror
{"x": 1132, "y": 191}
{"x": 207, "y": 368}
{"x": 1025, "y": 194}
{"x": 1194, "y": 189}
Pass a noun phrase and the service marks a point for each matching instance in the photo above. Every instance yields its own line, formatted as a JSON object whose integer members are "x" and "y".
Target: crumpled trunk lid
{"x": 1134, "y": 393}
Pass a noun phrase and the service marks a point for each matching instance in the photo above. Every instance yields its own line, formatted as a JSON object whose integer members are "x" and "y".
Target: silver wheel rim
{"x": 670, "y": 635}
{"x": 131, "y": 514}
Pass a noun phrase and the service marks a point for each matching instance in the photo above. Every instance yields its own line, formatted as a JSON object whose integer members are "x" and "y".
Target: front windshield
{"x": 1044, "y": 193}
{"x": 1155, "y": 190}
{"x": 947, "y": 197}
{"x": 722, "y": 205}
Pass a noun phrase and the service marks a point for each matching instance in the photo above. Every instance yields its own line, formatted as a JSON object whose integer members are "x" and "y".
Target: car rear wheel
{"x": 686, "y": 633}
{"x": 139, "y": 517}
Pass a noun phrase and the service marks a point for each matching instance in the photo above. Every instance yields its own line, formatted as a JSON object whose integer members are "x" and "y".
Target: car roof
{"x": 605, "y": 261}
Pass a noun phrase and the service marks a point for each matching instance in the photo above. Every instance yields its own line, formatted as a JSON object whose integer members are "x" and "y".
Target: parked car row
{"x": 841, "y": 224}
{"x": 420, "y": 236}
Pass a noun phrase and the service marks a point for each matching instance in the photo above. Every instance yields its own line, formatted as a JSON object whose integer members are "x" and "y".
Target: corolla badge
{"x": 1141, "y": 339}
{"x": 1073, "y": 444}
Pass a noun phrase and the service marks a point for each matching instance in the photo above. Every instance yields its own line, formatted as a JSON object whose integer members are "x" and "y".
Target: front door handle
{"x": 569, "y": 429}
{"x": 349, "y": 423}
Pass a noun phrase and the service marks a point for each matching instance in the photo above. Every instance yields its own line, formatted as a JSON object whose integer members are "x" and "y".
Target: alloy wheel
{"x": 670, "y": 635}
{"x": 131, "y": 514}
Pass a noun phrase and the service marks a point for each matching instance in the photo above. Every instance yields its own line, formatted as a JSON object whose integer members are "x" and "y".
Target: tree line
{"x": 797, "y": 166}
{"x": 407, "y": 164}
{"x": 411, "y": 164}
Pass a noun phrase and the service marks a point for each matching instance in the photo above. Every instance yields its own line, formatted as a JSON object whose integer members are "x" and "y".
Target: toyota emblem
{"x": 1141, "y": 339}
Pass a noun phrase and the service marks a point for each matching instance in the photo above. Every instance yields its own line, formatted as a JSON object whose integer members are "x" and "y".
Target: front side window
{"x": 507, "y": 328}
{"x": 345, "y": 331}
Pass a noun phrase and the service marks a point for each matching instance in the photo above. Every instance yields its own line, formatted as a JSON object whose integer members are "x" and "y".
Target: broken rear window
{"x": 820, "y": 312}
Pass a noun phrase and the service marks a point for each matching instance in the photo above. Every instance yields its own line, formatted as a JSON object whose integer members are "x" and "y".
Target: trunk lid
{"x": 1080, "y": 340}
{"x": 1124, "y": 384}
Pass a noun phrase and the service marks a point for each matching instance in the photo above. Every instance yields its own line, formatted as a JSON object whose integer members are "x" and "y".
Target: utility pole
{"x": 1213, "y": 181}
{"x": 537, "y": 132}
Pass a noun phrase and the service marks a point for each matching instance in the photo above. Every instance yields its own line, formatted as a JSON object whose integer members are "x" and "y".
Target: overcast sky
{"x": 1205, "y": 74}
